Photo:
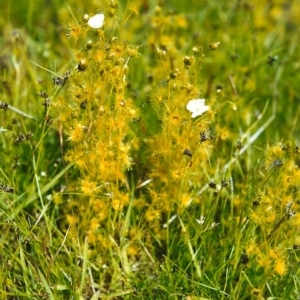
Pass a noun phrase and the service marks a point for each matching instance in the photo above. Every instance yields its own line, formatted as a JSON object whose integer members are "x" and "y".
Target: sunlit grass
{"x": 111, "y": 188}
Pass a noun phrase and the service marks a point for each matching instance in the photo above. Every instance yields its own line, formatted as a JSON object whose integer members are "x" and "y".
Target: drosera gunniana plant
{"x": 182, "y": 154}
{"x": 172, "y": 182}
{"x": 99, "y": 117}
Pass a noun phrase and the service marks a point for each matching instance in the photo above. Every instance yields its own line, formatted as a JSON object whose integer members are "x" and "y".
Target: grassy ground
{"x": 110, "y": 189}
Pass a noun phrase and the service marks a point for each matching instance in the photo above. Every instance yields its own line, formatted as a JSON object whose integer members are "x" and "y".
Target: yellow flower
{"x": 280, "y": 267}
{"x": 76, "y": 133}
{"x": 88, "y": 186}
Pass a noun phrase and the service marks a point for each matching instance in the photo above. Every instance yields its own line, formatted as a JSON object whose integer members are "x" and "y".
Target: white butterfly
{"x": 96, "y": 21}
{"x": 197, "y": 107}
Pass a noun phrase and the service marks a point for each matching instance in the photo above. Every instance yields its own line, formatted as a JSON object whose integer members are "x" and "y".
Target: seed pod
{"x": 203, "y": 136}
{"x": 82, "y": 65}
{"x": 83, "y": 104}
{"x": 89, "y": 44}
{"x": 111, "y": 12}
{"x": 114, "y": 4}
{"x": 197, "y": 49}
{"x": 244, "y": 259}
{"x": 214, "y": 46}
{"x": 161, "y": 54}
{"x": 173, "y": 75}
{"x": 212, "y": 185}
{"x": 188, "y": 61}
{"x": 187, "y": 152}
{"x": 85, "y": 18}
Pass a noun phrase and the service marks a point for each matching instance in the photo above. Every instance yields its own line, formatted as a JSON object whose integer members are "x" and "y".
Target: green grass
{"x": 110, "y": 190}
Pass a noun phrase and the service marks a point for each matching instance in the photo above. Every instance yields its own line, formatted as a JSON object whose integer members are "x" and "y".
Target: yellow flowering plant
{"x": 150, "y": 150}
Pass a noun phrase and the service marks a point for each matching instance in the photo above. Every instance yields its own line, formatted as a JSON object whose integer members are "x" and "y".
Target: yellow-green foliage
{"x": 117, "y": 184}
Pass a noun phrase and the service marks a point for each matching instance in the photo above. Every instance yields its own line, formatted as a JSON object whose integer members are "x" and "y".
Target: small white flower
{"x": 201, "y": 220}
{"x": 96, "y": 21}
{"x": 197, "y": 107}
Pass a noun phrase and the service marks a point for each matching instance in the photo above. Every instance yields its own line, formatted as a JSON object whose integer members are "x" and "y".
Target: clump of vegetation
{"x": 139, "y": 156}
